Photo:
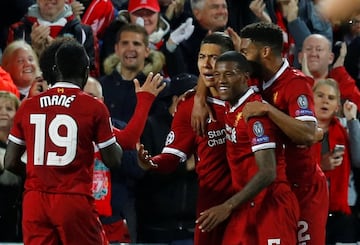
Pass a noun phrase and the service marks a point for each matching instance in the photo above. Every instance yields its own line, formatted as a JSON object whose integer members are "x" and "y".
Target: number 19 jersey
{"x": 58, "y": 128}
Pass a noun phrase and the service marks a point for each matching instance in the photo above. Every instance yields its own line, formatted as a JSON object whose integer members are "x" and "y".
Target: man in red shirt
{"x": 58, "y": 128}
{"x": 291, "y": 107}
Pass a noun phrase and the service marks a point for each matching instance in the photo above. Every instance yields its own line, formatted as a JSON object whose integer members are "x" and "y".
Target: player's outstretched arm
{"x": 201, "y": 110}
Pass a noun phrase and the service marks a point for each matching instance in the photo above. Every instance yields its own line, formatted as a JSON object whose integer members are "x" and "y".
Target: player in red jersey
{"x": 58, "y": 128}
{"x": 211, "y": 165}
{"x": 291, "y": 107}
{"x": 264, "y": 210}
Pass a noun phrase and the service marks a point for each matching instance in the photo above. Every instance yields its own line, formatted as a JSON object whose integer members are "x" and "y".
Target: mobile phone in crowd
{"x": 339, "y": 148}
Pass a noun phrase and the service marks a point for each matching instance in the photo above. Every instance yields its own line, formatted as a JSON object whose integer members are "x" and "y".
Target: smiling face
{"x": 22, "y": 67}
{"x": 326, "y": 101}
{"x": 131, "y": 50}
{"x": 231, "y": 83}
{"x": 213, "y": 16}
{"x": 150, "y": 18}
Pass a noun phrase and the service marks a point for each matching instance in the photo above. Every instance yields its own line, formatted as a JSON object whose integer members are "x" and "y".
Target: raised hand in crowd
{"x": 258, "y": 8}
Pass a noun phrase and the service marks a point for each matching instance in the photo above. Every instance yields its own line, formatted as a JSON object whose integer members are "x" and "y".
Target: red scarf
{"x": 339, "y": 177}
{"x": 55, "y": 27}
{"x": 289, "y": 43}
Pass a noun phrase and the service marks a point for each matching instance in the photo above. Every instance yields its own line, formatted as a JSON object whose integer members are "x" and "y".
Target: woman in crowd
{"x": 337, "y": 155}
{"x": 21, "y": 62}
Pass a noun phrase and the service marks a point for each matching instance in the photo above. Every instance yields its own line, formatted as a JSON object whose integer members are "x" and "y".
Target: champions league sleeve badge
{"x": 258, "y": 130}
{"x": 302, "y": 102}
{"x": 170, "y": 138}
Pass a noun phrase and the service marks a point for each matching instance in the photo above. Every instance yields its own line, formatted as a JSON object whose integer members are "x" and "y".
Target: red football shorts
{"x": 60, "y": 219}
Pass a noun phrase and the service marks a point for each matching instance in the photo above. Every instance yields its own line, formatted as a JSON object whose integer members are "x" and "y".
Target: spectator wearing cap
{"x": 147, "y": 14}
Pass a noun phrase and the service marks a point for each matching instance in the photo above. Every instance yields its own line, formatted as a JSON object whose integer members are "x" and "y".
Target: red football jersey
{"x": 182, "y": 141}
{"x": 211, "y": 166}
{"x": 246, "y": 137}
{"x": 289, "y": 91}
{"x": 58, "y": 128}
{"x": 253, "y": 221}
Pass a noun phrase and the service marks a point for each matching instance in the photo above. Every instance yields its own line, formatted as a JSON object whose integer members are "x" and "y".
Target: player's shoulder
{"x": 186, "y": 102}
{"x": 215, "y": 101}
{"x": 293, "y": 78}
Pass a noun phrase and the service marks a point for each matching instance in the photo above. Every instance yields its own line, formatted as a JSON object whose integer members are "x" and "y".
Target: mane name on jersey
{"x": 56, "y": 100}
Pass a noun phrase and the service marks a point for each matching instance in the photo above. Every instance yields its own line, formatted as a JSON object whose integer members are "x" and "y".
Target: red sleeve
{"x": 167, "y": 162}
{"x": 130, "y": 135}
{"x": 7, "y": 84}
{"x": 347, "y": 84}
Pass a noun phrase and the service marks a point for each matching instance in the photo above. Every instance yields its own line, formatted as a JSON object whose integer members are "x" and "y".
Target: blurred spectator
{"x": 297, "y": 19}
{"x": 209, "y": 15}
{"x": 46, "y": 20}
{"x": 11, "y": 11}
{"x": 338, "y": 10}
{"x": 21, "y": 62}
{"x": 10, "y": 205}
{"x": 7, "y": 84}
{"x": 240, "y": 14}
{"x": 96, "y": 13}
{"x": 342, "y": 225}
{"x": 352, "y": 58}
{"x": 316, "y": 58}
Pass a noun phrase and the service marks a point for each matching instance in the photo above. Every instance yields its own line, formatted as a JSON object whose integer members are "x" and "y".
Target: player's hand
{"x": 153, "y": 84}
{"x": 254, "y": 109}
{"x": 319, "y": 135}
{"x": 200, "y": 114}
{"x": 235, "y": 38}
{"x": 211, "y": 217}
{"x": 144, "y": 158}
